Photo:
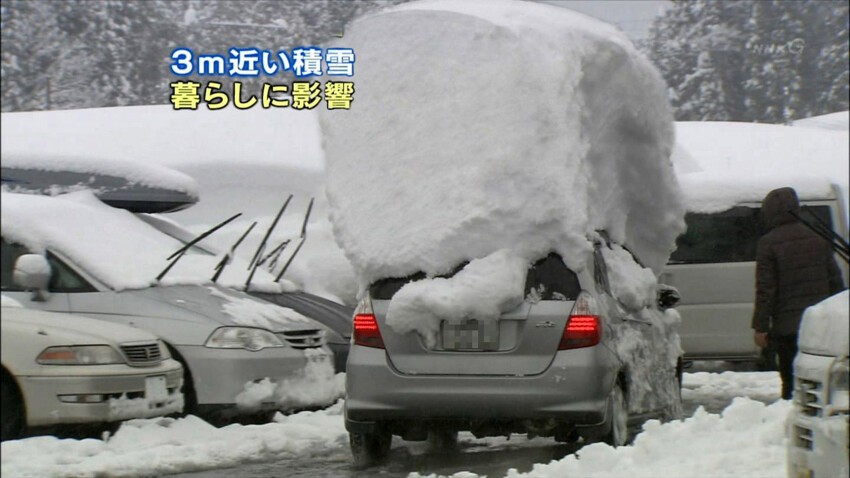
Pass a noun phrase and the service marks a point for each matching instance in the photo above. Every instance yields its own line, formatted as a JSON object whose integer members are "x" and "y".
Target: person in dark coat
{"x": 795, "y": 268}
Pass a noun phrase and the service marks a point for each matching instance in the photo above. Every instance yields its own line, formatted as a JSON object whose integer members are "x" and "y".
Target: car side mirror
{"x": 32, "y": 272}
{"x": 668, "y": 296}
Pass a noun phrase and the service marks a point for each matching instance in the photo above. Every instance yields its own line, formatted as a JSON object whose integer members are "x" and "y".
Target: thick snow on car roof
{"x": 737, "y": 162}
{"x": 112, "y": 244}
{"x": 481, "y": 126}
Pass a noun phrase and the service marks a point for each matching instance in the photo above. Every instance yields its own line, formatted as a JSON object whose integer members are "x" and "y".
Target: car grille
{"x": 142, "y": 354}
{"x": 802, "y": 437}
{"x": 810, "y": 397}
{"x": 304, "y": 339}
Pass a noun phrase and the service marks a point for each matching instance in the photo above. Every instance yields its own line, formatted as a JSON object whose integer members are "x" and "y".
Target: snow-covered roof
{"x": 111, "y": 244}
{"x": 839, "y": 121}
{"x": 481, "y": 126}
{"x": 720, "y": 164}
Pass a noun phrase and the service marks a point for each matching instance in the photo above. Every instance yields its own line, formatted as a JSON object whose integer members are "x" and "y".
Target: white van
{"x": 725, "y": 170}
{"x": 818, "y": 423}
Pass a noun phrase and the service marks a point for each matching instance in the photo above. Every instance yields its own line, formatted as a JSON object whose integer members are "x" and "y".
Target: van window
{"x": 728, "y": 236}
{"x": 550, "y": 279}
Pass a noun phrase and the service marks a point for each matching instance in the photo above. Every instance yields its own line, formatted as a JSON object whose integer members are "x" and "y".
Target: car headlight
{"x": 839, "y": 391}
{"x": 80, "y": 355}
{"x": 248, "y": 338}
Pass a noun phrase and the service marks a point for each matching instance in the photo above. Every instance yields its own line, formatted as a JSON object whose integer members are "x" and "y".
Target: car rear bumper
{"x": 574, "y": 389}
{"x": 220, "y": 375}
{"x": 120, "y": 393}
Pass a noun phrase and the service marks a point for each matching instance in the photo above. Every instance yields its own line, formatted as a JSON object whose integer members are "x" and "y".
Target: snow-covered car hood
{"x": 220, "y": 305}
{"x": 67, "y": 329}
{"x": 825, "y": 329}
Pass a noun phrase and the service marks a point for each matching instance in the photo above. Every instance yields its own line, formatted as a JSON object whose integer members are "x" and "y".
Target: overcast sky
{"x": 632, "y": 16}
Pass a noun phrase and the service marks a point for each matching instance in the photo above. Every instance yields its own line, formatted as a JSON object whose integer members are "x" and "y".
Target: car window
{"x": 550, "y": 279}
{"x": 64, "y": 279}
{"x": 728, "y": 236}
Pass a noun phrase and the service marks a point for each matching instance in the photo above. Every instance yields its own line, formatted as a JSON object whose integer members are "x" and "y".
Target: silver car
{"x": 570, "y": 362}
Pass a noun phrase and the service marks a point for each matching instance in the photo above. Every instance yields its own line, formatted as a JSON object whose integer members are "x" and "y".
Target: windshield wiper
{"x": 301, "y": 243}
{"x": 219, "y": 268}
{"x": 179, "y": 253}
{"x": 255, "y": 262}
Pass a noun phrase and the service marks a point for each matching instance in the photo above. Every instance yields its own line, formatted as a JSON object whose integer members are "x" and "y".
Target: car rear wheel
{"x": 12, "y": 419}
{"x": 619, "y": 415}
{"x": 441, "y": 439}
{"x": 369, "y": 448}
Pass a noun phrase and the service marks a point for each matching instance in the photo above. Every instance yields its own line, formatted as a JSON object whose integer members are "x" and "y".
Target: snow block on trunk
{"x": 482, "y": 126}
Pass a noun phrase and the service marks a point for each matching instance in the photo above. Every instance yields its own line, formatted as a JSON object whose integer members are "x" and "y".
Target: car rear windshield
{"x": 547, "y": 279}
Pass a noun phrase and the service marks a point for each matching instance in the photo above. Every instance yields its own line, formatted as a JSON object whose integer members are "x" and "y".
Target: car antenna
{"x": 219, "y": 268}
{"x": 257, "y": 255}
{"x": 300, "y": 243}
{"x": 179, "y": 253}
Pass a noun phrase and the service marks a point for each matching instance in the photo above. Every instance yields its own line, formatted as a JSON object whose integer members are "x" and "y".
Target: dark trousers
{"x": 786, "y": 350}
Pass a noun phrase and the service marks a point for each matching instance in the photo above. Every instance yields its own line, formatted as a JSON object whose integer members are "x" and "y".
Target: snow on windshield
{"x": 744, "y": 161}
{"x": 519, "y": 126}
{"x": 142, "y": 173}
{"x": 111, "y": 244}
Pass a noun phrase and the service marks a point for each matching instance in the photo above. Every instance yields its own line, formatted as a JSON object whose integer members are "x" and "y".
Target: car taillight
{"x": 583, "y": 328}
{"x": 581, "y": 331}
{"x": 366, "y": 331}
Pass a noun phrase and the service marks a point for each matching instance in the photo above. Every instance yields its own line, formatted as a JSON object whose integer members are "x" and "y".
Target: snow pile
{"x": 154, "y": 447}
{"x": 744, "y": 161}
{"x": 484, "y": 126}
{"x": 483, "y": 290}
{"x": 714, "y": 390}
{"x": 825, "y": 329}
{"x": 142, "y": 173}
{"x": 316, "y": 383}
{"x": 111, "y": 244}
{"x": 747, "y": 439}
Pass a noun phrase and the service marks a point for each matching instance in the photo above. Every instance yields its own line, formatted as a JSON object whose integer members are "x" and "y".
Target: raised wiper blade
{"x": 300, "y": 243}
{"x": 219, "y": 268}
{"x": 179, "y": 253}
{"x": 257, "y": 255}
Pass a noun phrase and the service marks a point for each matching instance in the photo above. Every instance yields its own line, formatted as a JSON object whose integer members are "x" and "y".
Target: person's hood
{"x": 779, "y": 207}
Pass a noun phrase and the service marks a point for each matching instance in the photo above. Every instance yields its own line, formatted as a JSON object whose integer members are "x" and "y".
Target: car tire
{"x": 12, "y": 420}
{"x": 190, "y": 398}
{"x": 618, "y": 414}
{"x": 443, "y": 440}
{"x": 369, "y": 448}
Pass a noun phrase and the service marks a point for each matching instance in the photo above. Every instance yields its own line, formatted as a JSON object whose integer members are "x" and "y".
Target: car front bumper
{"x": 220, "y": 375}
{"x": 574, "y": 390}
{"x": 101, "y": 393}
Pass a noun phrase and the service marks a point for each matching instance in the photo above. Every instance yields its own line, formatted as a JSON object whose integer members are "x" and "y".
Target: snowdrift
{"x": 483, "y": 126}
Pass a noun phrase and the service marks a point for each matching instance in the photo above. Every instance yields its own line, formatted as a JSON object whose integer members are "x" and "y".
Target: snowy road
{"x": 314, "y": 444}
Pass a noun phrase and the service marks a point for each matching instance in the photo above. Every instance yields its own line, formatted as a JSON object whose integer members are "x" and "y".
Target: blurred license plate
{"x": 470, "y": 334}
{"x": 155, "y": 389}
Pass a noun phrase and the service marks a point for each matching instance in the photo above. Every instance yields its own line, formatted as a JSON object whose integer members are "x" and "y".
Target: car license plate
{"x": 155, "y": 389}
{"x": 473, "y": 335}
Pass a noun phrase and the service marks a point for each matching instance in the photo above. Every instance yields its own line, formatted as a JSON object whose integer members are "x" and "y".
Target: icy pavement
{"x": 746, "y": 439}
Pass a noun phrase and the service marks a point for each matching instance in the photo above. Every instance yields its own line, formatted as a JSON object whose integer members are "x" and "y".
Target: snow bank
{"x": 740, "y": 162}
{"x": 825, "y": 329}
{"x": 112, "y": 244}
{"x": 747, "y": 439}
{"x": 155, "y": 447}
{"x": 482, "y": 126}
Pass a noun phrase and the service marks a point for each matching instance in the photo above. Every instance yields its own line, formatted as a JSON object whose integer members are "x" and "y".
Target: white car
{"x": 65, "y": 369}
